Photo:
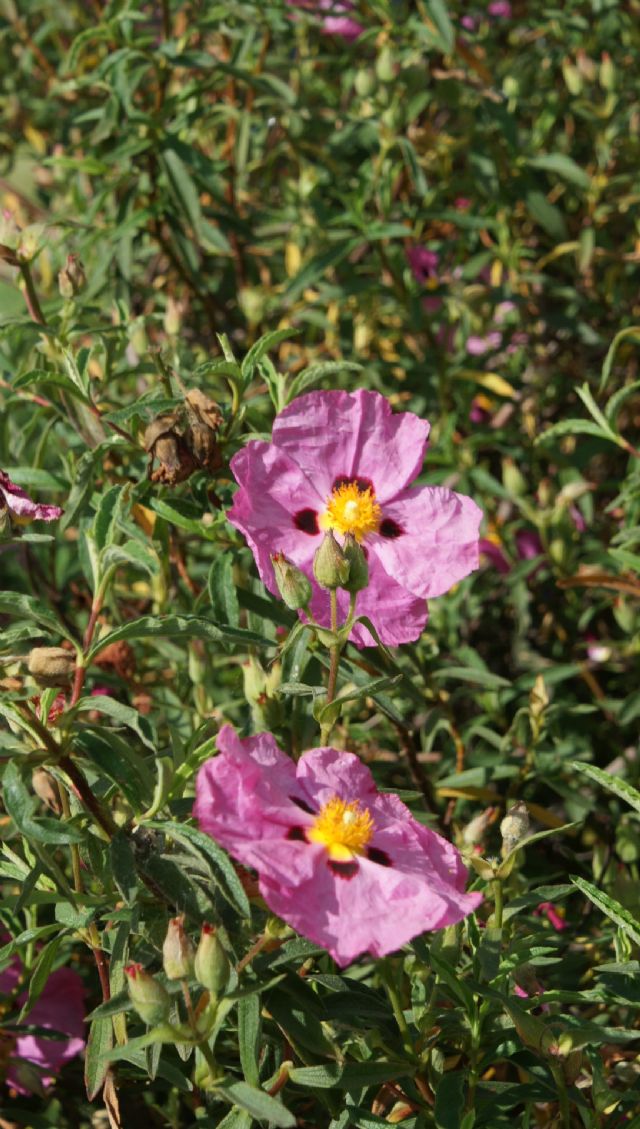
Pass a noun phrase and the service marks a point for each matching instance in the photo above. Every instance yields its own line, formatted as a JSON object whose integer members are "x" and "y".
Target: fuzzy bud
{"x": 514, "y": 827}
{"x": 330, "y": 566}
{"x": 72, "y": 279}
{"x": 178, "y": 953}
{"x": 293, "y": 585}
{"x": 151, "y": 1001}
{"x": 212, "y": 964}
{"x": 51, "y": 666}
{"x": 358, "y": 568}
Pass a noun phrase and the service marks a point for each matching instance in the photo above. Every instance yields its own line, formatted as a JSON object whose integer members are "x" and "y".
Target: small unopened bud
{"x": 44, "y": 787}
{"x": 212, "y": 964}
{"x": 151, "y": 1001}
{"x": 513, "y": 479}
{"x": 51, "y": 666}
{"x": 32, "y": 240}
{"x": 514, "y": 827}
{"x": 293, "y": 585}
{"x": 178, "y": 953}
{"x": 358, "y": 577}
{"x": 72, "y": 279}
{"x": 330, "y": 566}
{"x": 538, "y": 702}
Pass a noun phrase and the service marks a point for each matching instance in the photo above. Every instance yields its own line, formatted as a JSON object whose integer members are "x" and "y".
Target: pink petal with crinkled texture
{"x": 329, "y": 434}
{"x": 242, "y": 793}
{"x": 60, "y": 1009}
{"x": 20, "y": 504}
{"x": 439, "y": 543}
{"x": 376, "y": 911}
{"x": 272, "y": 491}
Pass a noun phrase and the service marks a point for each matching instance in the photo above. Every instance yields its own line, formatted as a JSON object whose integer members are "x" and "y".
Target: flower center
{"x": 352, "y": 510}
{"x": 344, "y": 829}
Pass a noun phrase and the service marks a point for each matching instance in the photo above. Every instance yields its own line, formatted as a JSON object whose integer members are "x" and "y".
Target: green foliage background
{"x": 244, "y": 191}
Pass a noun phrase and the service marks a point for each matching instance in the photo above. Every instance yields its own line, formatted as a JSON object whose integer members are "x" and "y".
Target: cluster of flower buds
{"x": 208, "y": 963}
{"x": 185, "y": 440}
{"x": 341, "y": 566}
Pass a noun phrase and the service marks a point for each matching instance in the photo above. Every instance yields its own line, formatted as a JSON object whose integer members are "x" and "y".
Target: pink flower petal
{"x": 438, "y": 545}
{"x": 353, "y": 434}
{"x": 21, "y": 505}
{"x": 59, "y": 1009}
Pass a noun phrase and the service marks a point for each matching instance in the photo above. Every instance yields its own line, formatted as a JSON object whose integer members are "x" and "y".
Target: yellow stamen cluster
{"x": 351, "y": 510}
{"x": 344, "y": 829}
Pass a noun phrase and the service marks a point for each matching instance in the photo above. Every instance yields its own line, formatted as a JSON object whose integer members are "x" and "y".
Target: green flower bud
{"x": 330, "y": 566}
{"x": 151, "y": 1001}
{"x": 358, "y": 568}
{"x": 212, "y": 965}
{"x": 293, "y": 585}
{"x": 178, "y": 953}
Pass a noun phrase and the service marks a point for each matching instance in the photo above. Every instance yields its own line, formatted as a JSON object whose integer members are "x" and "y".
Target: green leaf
{"x": 572, "y": 427}
{"x": 183, "y": 187}
{"x": 43, "y": 378}
{"x": 610, "y": 908}
{"x": 472, "y": 674}
{"x": 123, "y": 866}
{"x": 96, "y": 1063}
{"x": 450, "y": 1099}
{"x": 258, "y": 1103}
{"x": 40, "y": 973}
{"x": 352, "y": 1076}
{"x": 222, "y": 591}
{"x": 262, "y": 346}
{"x": 437, "y": 9}
{"x": 124, "y": 715}
{"x": 564, "y": 166}
{"x": 181, "y": 627}
{"x": 613, "y": 783}
{"x": 109, "y": 510}
{"x": 15, "y": 604}
{"x": 313, "y": 373}
{"x": 631, "y": 331}
{"x": 223, "y": 870}
{"x": 249, "y": 1037}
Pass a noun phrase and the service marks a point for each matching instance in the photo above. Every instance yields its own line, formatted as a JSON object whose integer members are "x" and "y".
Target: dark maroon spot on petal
{"x": 306, "y": 521}
{"x": 376, "y": 854}
{"x": 297, "y": 834}
{"x": 343, "y": 869}
{"x": 390, "y": 528}
{"x": 347, "y": 479}
{"x": 302, "y": 804}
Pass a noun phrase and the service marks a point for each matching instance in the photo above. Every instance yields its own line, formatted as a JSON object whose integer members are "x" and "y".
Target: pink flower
{"x": 59, "y": 1009}
{"x": 478, "y": 346}
{"x": 337, "y": 23}
{"x": 552, "y": 915}
{"x": 423, "y": 263}
{"x": 346, "y": 866}
{"x": 344, "y": 462}
{"x": 20, "y": 505}
{"x": 500, "y": 9}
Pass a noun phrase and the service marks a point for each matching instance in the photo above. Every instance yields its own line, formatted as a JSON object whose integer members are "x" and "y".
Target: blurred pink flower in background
{"x": 35, "y": 1060}
{"x": 336, "y": 22}
{"x": 343, "y": 864}
{"x": 500, "y": 10}
{"x": 423, "y": 263}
